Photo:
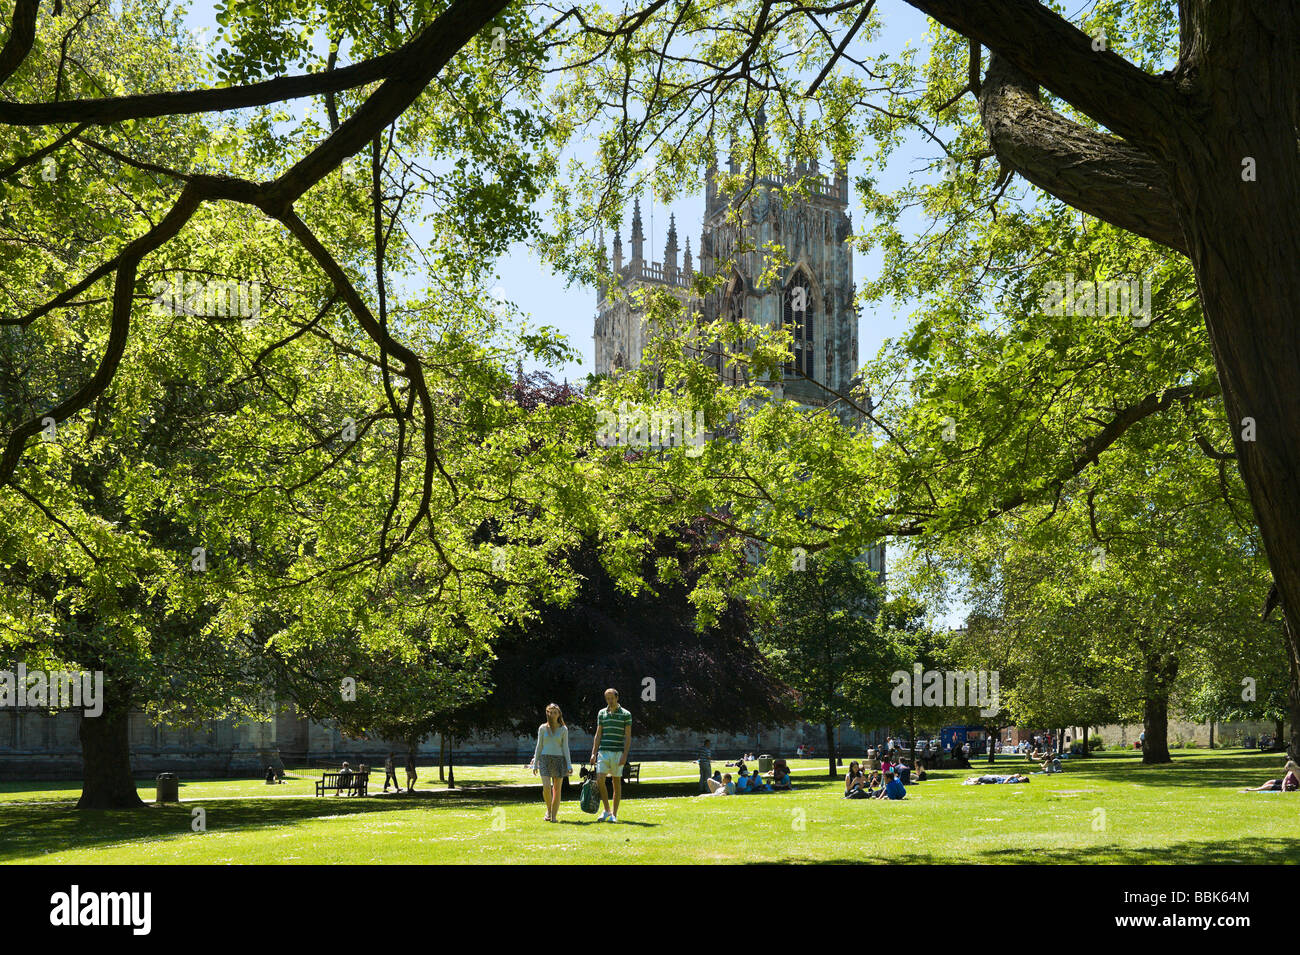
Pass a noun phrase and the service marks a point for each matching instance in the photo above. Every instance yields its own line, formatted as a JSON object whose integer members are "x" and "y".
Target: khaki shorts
{"x": 610, "y": 763}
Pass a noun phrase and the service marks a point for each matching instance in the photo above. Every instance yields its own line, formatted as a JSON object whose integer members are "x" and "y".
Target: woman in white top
{"x": 551, "y": 759}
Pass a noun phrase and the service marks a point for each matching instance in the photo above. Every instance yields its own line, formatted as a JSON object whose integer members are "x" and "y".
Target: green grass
{"x": 1187, "y": 812}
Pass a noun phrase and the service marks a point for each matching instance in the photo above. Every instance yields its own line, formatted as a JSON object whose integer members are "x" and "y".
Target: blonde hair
{"x": 559, "y": 719}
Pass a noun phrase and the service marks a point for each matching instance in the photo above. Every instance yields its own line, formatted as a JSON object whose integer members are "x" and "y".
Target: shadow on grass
{"x": 1231, "y": 770}
{"x": 31, "y": 829}
{"x": 1256, "y": 851}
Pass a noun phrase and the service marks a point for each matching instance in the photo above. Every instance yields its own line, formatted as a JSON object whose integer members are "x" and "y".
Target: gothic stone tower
{"x": 813, "y": 230}
{"x": 813, "y": 294}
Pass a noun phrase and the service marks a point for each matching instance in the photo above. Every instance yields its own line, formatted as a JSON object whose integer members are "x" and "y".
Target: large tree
{"x": 648, "y": 642}
{"x": 823, "y": 637}
{"x": 212, "y": 491}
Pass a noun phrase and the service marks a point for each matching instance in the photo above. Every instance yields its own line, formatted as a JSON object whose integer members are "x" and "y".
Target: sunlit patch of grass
{"x": 1189, "y": 811}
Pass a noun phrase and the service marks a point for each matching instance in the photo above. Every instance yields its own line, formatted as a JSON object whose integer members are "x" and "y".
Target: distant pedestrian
{"x": 390, "y": 772}
{"x": 705, "y": 758}
{"x": 410, "y": 770}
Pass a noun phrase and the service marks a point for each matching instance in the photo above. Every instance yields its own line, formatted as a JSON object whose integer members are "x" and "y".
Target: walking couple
{"x": 612, "y": 742}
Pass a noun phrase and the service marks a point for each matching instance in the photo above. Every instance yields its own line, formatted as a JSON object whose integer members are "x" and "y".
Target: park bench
{"x": 358, "y": 786}
{"x": 631, "y": 772}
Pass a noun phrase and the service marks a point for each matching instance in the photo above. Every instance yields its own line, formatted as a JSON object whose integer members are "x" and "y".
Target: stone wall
{"x": 1182, "y": 733}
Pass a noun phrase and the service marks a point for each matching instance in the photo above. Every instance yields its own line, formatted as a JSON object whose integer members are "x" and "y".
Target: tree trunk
{"x": 830, "y": 750}
{"x": 1293, "y": 742}
{"x": 1158, "y": 681}
{"x": 106, "y": 762}
{"x": 451, "y": 764}
{"x": 1203, "y": 161}
{"x": 1155, "y": 724}
{"x": 992, "y": 732}
{"x": 1086, "y": 750}
{"x": 1244, "y": 243}
{"x": 1293, "y": 690}
{"x": 1211, "y": 734}
{"x": 442, "y": 757}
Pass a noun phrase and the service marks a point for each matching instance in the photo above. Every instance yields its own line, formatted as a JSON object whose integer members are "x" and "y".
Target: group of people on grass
{"x": 722, "y": 784}
{"x": 880, "y": 776}
{"x": 716, "y": 783}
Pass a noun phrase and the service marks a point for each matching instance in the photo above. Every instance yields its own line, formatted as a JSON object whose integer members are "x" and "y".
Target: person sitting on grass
{"x": 1290, "y": 781}
{"x": 875, "y": 785}
{"x": 904, "y": 773}
{"x": 855, "y": 783}
{"x": 781, "y": 780}
{"x": 757, "y": 784}
{"x": 894, "y": 789}
{"x": 720, "y": 787}
{"x": 1052, "y": 765}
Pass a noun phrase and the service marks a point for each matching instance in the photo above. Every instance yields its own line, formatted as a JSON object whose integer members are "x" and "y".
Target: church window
{"x": 798, "y": 317}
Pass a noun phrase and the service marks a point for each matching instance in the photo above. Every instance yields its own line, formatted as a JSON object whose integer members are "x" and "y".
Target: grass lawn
{"x": 1187, "y": 812}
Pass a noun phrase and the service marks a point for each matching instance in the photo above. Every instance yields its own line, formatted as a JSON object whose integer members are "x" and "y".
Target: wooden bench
{"x": 359, "y": 784}
{"x": 631, "y": 772}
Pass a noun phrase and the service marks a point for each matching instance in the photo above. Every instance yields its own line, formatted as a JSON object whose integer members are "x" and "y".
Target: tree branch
{"x": 1059, "y": 56}
{"x": 116, "y": 109}
{"x": 22, "y": 33}
{"x": 1099, "y": 174}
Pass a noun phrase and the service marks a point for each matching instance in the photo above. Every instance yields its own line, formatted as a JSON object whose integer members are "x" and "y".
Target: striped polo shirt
{"x": 613, "y": 727}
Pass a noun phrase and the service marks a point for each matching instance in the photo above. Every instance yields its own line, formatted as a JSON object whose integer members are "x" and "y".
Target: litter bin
{"x": 168, "y": 788}
{"x": 765, "y": 764}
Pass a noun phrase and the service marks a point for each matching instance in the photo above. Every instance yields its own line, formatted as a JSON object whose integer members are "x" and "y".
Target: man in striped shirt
{"x": 612, "y": 742}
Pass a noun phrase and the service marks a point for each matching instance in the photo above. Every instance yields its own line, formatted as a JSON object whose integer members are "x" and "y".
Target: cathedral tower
{"x": 813, "y": 294}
